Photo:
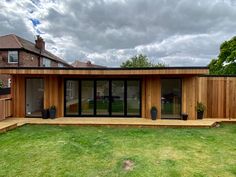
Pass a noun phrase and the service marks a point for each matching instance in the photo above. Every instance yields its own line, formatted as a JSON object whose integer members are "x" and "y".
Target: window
{"x": 87, "y": 97}
{"x": 34, "y": 97}
{"x": 46, "y": 62}
{"x": 133, "y": 98}
{"x": 103, "y": 97}
{"x": 60, "y": 65}
{"x": 9, "y": 83}
{"x": 12, "y": 57}
{"x": 171, "y": 98}
{"x": 117, "y": 98}
{"x": 72, "y": 102}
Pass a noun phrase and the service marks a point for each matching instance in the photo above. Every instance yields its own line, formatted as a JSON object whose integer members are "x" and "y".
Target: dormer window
{"x": 12, "y": 56}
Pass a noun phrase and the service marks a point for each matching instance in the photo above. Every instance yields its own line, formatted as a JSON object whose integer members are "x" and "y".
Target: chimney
{"x": 89, "y": 63}
{"x": 39, "y": 43}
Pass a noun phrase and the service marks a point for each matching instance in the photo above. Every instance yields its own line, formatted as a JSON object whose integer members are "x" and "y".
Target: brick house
{"x": 18, "y": 52}
{"x": 88, "y": 64}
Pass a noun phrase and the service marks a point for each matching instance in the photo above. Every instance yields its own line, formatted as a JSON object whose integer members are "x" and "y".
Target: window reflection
{"x": 117, "y": 98}
{"x": 133, "y": 98}
{"x": 87, "y": 97}
{"x": 72, "y": 88}
{"x": 170, "y": 98}
{"x": 102, "y": 98}
{"x": 96, "y": 97}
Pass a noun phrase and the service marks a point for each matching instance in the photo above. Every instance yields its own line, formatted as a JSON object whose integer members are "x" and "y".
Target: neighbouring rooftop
{"x": 13, "y": 41}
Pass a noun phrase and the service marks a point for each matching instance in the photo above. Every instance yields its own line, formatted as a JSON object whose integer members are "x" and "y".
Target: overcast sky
{"x": 108, "y": 32}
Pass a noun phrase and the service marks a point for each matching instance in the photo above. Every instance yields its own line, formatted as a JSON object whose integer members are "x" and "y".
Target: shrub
{"x": 200, "y": 107}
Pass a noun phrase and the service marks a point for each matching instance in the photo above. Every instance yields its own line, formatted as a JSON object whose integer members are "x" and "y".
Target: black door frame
{"x": 28, "y": 78}
{"x": 110, "y": 97}
{"x": 181, "y": 83}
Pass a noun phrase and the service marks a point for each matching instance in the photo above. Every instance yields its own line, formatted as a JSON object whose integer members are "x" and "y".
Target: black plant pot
{"x": 185, "y": 116}
{"x": 153, "y": 113}
{"x": 200, "y": 115}
{"x": 45, "y": 114}
{"x": 52, "y": 113}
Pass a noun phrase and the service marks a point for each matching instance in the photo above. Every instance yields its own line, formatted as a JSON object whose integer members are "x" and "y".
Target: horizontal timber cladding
{"x": 106, "y": 71}
{"x": 218, "y": 94}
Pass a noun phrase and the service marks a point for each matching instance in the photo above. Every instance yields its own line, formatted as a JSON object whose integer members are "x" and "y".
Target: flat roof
{"x": 105, "y": 71}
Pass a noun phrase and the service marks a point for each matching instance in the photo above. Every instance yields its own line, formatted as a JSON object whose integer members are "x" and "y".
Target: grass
{"x": 100, "y": 151}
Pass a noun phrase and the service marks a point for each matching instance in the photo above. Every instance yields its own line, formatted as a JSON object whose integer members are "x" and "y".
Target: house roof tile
{"x": 13, "y": 41}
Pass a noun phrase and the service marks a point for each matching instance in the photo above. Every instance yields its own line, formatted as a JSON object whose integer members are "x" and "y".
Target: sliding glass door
{"x": 102, "y": 97}
{"x": 87, "y": 97}
{"x": 117, "y": 98}
{"x": 34, "y": 97}
{"x": 171, "y": 98}
{"x": 133, "y": 98}
{"x": 72, "y": 97}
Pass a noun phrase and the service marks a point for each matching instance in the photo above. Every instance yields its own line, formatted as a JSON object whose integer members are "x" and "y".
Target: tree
{"x": 140, "y": 61}
{"x": 1, "y": 84}
{"x": 226, "y": 61}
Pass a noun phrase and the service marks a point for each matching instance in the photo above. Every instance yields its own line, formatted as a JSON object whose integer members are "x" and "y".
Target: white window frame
{"x": 47, "y": 62}
{"x": 9, "y": 82}
{"x": 61, "y": 65}
{"x": 13, "y": 52}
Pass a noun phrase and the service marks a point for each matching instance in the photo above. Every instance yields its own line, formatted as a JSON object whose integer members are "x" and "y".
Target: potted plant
{"x": 52, "y": 112}
{"x": 153, "y": 112}
{"x": 184, "y": 116}
{"x": 200, "y": 110}
{"x": 45, "y": 113}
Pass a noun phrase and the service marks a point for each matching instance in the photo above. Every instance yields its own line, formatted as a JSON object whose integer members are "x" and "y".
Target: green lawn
{"x": 100, "y": 151}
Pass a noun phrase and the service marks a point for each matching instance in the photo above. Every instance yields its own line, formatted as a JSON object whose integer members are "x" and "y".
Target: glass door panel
{"x": 87, "y": 97}
{"x": 72, "y": 97}
{"x": 34, "y": 97}
{"x": 171, "y": 98}
{"x": 133, "y": 98}
{"x": 102, "y": 97}
{"x": 117, "y": 98}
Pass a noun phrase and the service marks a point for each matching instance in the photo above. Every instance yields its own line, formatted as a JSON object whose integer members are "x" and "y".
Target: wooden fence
{"x": 5, "y": 108}
{"x": 219, "y": 96}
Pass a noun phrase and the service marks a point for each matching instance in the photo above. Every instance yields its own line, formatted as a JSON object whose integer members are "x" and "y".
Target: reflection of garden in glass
{"x": 170, "y": 98}
{"x": 117, "y": 98}
{"x": 87, "y": 97}
{"x": 102, "y": 97}
{"x": 72, "y": 96}
{"x": 34, "y": 97}
{"x": 133, "y": 97}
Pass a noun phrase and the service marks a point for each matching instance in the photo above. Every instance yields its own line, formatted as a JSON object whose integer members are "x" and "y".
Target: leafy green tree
{"x": 226, "y": 61}
{"x": 1, "y": 84}
{"x": 140, "y": 61}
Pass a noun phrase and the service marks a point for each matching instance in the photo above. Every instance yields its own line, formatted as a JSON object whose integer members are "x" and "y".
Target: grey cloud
{"x": 108, "y": 32}
{"x": 14, "y": 25}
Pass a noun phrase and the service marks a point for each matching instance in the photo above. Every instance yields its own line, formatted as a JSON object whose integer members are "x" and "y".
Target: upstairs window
{"x": 12, "y": 57}
{"x": 46, "y": 62}
{"x": 61, "y": 65}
